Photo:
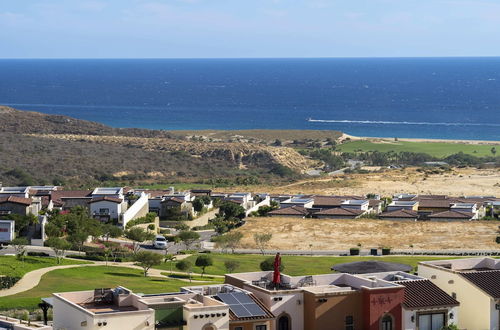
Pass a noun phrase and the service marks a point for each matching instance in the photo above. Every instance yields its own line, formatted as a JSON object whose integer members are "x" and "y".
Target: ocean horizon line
{"x": 256, "y": 58}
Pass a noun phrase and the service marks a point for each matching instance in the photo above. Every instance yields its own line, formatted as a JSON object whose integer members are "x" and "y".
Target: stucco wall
{"x": 475, "y": 306}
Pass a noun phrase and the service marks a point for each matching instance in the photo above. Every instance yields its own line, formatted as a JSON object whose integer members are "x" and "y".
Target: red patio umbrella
{"x": 276, "y": 273}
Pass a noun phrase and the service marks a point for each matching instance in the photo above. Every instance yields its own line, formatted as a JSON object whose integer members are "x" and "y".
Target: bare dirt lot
{"x": 298, "y": 234}
{"x": 457, "y": 182}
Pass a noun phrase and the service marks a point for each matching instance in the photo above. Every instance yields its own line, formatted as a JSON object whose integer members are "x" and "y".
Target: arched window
{"x": 209, "y": 327}
{"x": 386, "y": 323}
{"x": 284, "y": 322}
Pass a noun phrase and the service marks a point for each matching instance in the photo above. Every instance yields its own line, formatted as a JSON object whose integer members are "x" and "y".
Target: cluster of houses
{"x": 119, "y": 205}
{"x": 461, "y": 292}
{"x": 400, "y": 207}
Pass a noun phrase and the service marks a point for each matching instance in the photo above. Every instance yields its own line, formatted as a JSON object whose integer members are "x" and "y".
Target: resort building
{"x": 475, "y": 283}
{"x": 332, "y": 301}
{"x": 214, "y": 307}
{"x": 425, "y": 305}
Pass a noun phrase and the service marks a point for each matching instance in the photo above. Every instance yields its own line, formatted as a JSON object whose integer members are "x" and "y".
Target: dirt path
{"x": 32, "y": 279}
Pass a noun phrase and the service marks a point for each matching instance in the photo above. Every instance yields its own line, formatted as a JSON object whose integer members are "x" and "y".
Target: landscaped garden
{"x": 89, "y": 278}
{"x": 12, "y": 266}
{"x": 294, "y": 265}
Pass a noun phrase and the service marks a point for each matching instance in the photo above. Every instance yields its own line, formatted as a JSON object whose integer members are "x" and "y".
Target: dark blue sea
{"x": 449, "y": 98}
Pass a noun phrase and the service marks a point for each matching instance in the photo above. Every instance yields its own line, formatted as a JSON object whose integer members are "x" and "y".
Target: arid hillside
{"x": 39, "y": 148}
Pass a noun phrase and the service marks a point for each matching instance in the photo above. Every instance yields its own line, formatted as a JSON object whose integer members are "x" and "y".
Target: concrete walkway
{"x": 32, "y": 279}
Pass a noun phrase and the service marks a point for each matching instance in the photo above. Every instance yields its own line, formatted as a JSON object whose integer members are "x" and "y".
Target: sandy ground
{"x": 458, "y": 182}
{"x": 299, "y": 234}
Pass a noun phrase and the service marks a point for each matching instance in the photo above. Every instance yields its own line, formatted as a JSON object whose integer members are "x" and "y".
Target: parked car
{"x": 160, "y": 242}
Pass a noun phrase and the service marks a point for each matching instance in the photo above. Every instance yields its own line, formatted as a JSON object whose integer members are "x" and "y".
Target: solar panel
{"x": 240, "y": 311}
{"x": 242, "y": 298}
{"x": 254, "y": 309}
{"x": 228, "y": 298}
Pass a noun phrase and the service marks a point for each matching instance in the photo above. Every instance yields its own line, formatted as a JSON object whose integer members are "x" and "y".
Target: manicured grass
{"x": 436, "y": 149}
{"x": 10, "y": 266}
{"x": 88, "y": 278}
{"x": 294, "y": 265}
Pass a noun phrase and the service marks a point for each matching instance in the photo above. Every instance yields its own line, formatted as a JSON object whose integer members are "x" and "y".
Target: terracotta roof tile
{"x": 292, "y": 210}
{"x": 488, "y": 281}
{"x": 16, "y": 200}
{"x": 340, "y": 211}
{"x": 400, "y": 214}
{"x": 452, "y": 215}
{"x": 106, "y": 198}
{"x": 423, "y": 293}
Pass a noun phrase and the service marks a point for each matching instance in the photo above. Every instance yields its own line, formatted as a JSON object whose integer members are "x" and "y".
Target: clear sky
{"x": 248, "y": 28}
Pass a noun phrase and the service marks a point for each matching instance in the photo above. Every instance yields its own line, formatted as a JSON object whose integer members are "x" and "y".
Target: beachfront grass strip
{"x": 11, "y": 266}
{"x": 294, "y": 265}
{"x": 436, "y": 149}
{"x": 89, "y": 278}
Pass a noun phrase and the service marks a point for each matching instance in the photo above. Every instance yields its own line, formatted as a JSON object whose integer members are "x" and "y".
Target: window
{"x": 386, "y": 322}
{"x": 349, "y": 322}
{"x": 284, "y": 323}
{"x": 261, "y": 327}
{"x": 238, "y": 328}
{"x": 104, "y": 211}
{"x": 431, "y": 321}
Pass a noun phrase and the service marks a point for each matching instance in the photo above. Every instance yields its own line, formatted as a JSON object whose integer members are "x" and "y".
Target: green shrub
{"x": 268, "y": 264}
{"x": 386, "y": 251}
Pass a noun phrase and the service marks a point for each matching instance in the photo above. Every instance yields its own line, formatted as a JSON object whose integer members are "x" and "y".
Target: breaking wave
{"x": 382, "y": 122}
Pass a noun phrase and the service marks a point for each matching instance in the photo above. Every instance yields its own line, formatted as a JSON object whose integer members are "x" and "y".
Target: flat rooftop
{"x": 318, "y": 284}
{"x": 466, "y": 265}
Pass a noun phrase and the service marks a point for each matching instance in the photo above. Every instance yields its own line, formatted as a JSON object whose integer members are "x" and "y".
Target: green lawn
{"x": 10, "y": 266}
{"x": 88, "y": 278}
{"x": 436, "y": 149}
{"x": 294, "y": 265}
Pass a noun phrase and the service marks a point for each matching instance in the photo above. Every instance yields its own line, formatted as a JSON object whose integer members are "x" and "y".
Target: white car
{"x": 160, "y": 242}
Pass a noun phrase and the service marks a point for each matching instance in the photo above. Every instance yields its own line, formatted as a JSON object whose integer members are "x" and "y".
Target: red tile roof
{"x": 434, "y": 203}
{"x": 106, "y": 198}
{"x": 292, "y": 210}
{"x": 332, "y": 201}
{"x": 488, "y": 281}
{"x": 175, "y": 199}
{"x": 410, "y": 214}
{"x": 452, "y": 215}
{"x": 423, "y": 294}
{"x": 340, "y": 211}
{"x": 374, "y": 202}
{"x": 16, "y": 200}
{"x": 58, "y": 194}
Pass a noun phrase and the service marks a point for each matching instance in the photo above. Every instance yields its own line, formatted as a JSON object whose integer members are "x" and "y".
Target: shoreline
{"x": 389, "y": 139}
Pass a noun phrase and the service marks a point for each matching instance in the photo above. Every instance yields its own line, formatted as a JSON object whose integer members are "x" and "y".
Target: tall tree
{"x": 19, "y": 245}
{"x": 262, "y": 240}
{"x": 203, "y": 261}
{"x": 146, "y": 260}
{"x": 188, "y": 237}
{"x": 137, "y": 235}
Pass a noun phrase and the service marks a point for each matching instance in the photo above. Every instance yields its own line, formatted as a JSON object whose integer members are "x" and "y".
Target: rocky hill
{"x": 49, "y": 149}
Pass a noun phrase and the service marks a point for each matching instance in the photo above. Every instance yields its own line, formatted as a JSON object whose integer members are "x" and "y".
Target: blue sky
{"x": 253, "y": 28}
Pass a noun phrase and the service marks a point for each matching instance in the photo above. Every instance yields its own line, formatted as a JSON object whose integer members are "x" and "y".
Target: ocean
{"x": 445, "y": 98}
